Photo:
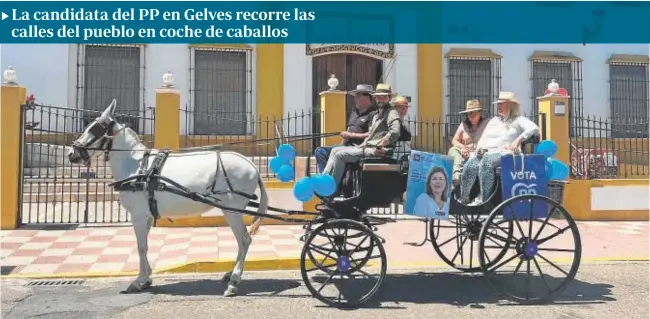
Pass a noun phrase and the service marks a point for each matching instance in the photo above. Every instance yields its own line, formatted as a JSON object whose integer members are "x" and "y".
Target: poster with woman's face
{"x": 429, "y": 185}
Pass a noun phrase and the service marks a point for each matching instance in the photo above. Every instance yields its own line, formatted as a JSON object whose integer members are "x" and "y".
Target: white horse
{"x": 196, "y": 171}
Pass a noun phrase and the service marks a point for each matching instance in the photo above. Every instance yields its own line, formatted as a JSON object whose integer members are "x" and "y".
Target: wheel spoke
{"x": 501, "y": 238}
{"x": 527, "y": 279}
{"x": 326, "y": 281}
{"x": 503, "y": 263}
{"x": 548, "y": 217}
{"x": 552, "y": 264}
{"x": 560, "y": 232}
{"x": 320, "y": 268}
{"x": 355, "y": 250}
{"x": 459, "y": 250}
{"x": 471, "y": 252}
{"x": 449, "y": 240}
{"x": 557, "y": 250}
{"x": 541, "y": 274}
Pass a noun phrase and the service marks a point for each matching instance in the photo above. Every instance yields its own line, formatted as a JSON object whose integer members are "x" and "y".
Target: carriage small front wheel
{"x": 541, "y": 264}
{"x": 343, "y": 263}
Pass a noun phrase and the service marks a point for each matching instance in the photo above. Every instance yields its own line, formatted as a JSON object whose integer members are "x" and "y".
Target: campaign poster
{"x": 428, "y": 189}
{"x": 522, "y": 175}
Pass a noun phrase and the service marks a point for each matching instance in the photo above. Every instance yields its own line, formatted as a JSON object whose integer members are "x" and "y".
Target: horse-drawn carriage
{"x": 341, "y": 223}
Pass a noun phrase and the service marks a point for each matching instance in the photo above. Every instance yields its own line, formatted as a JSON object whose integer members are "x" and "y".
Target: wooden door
{"x": 350, "y": 70}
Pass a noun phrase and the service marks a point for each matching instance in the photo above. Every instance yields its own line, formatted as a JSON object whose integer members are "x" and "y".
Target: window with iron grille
{"x": 221, "y": 91}
{"x": 628, "y": 98}
{"x": 566, "y": 69}
{"x": 107, "y": 72}
{"x": 471, "y": 74}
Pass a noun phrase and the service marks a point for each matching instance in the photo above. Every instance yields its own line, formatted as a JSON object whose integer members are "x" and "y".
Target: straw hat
{"x": 384, "y": 89}
{"x": 506, "y": 97}
{"x": 400, "y": 100}
{"x": 472, "y": 106}
{"x": 361, "y": 88}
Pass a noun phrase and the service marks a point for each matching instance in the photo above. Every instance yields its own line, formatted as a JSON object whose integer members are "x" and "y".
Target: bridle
{"x": 99, "y": 131}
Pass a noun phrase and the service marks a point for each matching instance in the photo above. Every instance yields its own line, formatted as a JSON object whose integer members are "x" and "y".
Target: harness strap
{"x": 221, "y": 167}
{"x": 151, "y": 179}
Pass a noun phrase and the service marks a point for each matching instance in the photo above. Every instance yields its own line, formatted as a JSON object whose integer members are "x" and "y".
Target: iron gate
{"x": 52, "y": 189}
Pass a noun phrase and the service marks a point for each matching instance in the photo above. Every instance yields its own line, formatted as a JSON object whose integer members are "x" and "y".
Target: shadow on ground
{"x": 420, "y": 288}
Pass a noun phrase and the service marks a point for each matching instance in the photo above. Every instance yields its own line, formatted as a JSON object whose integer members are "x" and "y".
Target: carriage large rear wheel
{"x": 456, "y": 240}
{"x": 346, "y": 255}
{"x": 533, "y": 271}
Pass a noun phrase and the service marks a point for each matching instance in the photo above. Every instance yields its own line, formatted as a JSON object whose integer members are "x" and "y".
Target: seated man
{"x": 384, "y": 132}
{"x": 403, "y": 145}
{"x": 358, "y": 124}
{"x": 503, "y": 135}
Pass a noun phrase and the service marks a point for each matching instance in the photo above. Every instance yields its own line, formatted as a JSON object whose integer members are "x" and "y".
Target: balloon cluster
{"x": 555, "y": 169}
{"x": 305, "y": 187}
{"x": 281, "y": 165}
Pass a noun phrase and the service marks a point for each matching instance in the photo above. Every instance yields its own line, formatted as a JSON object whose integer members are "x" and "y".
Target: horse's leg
{"x": 142, "y": 224}
{"x": 236, "y": 222}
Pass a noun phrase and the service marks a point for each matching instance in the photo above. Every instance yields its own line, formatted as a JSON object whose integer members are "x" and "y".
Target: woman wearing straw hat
{"x": 467, "y": 134}
{"x": 502, "y": 135}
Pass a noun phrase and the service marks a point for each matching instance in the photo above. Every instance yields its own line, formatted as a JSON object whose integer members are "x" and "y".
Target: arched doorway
{"x": 350, "y": 70}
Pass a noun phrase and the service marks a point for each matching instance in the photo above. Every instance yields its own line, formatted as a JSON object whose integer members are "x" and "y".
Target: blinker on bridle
{"x": 98, "y": 131}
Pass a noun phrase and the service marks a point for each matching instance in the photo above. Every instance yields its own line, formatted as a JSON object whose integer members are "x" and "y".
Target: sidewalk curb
{"x": 272, "y": 265}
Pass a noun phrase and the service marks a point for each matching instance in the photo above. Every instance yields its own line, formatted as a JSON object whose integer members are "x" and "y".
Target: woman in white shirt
{"x": 435, "y": 199}
{"x": 502, "y": 135}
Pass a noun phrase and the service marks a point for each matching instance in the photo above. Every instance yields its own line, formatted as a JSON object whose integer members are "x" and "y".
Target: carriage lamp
{"x": 333, "y": 82}
{"x": 168, "y": 79}
{"x": 9, "y": 75}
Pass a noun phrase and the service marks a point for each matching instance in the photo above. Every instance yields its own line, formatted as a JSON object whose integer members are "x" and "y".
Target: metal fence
{"x": 257, "y": 138}
{"x": 55, "y": 191}
{"x": 597, "y": 151}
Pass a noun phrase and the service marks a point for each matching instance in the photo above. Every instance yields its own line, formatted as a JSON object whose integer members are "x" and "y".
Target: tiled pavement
{"x": 112, "y": 249}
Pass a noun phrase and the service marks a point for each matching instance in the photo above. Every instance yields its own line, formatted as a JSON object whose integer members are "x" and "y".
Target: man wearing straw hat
{"x": 358, "y": 124}
{"x": 502, "y": 135}
{"x": 466, "y": 137}
{"x": 384, "y": 133}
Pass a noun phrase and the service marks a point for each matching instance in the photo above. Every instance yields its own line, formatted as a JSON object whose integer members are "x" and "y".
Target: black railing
{"x": 53, "y": 190}
{"x": 597, "y": 152}
{"x": 260, "y": 135}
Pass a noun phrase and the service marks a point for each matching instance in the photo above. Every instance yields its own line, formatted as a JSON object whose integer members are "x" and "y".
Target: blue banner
{"x": 522, "y": 175}
{"x": 428, "y": 189}
{"x": 343, "y": 22}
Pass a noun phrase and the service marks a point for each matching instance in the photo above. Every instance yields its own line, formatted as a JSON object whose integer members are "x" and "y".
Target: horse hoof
{"x": 146, "y": 285}
{"x": 131, "y": 289}
{"x": 226, "y": 277}
{"x": 231, "y": 291}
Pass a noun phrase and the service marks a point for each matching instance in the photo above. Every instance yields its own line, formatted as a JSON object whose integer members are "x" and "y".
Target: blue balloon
{"x": 548, "y": 169}
{"x": 560, "y": 170}
{"x": 275, "y": 164}
{"x": 324, "y": 184}
{"x": 286, "y": 173}
{"x": 303, "y": 190}
{"x": 287, "y": 153}
{"x": 547, "y": 148}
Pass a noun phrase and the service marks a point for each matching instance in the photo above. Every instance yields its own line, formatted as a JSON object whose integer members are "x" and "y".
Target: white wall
{"x": 515, "y": 70}
{"x": 52, "y": 77}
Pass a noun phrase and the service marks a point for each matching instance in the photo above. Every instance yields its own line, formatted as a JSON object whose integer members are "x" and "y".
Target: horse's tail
{"x": 264, "y": 204}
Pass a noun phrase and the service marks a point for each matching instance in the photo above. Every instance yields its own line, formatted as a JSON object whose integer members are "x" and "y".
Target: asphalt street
{"x": 603, "y": 290}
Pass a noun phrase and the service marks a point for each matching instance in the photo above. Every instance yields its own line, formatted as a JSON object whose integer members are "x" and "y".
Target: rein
{"x": 107, "y": 143}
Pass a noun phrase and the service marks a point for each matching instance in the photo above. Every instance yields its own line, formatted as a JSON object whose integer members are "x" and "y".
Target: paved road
{"x": 604, "y": 290}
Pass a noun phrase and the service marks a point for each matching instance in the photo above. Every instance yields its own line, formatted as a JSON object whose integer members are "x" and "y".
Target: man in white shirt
{"x": 502, "y": 135}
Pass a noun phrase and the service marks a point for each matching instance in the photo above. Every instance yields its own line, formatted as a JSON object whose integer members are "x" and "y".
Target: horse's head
{"x": 95, "y": 137}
